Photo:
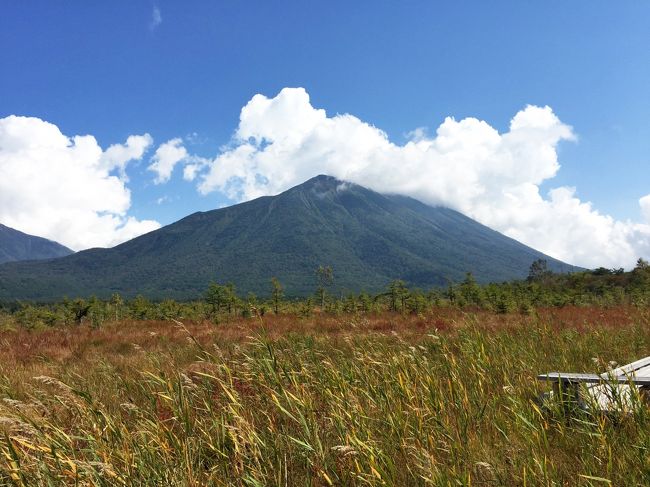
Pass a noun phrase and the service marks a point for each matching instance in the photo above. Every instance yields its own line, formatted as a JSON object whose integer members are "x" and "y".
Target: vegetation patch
{"x": 448, "y": 397}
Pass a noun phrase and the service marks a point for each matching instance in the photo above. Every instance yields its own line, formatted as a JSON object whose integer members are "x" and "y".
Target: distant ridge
{"x": 367, "y": 238}
{"x": 16, "y": 246}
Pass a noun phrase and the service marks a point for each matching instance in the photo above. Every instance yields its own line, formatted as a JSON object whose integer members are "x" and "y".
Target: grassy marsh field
{"x": 445, "y": 398}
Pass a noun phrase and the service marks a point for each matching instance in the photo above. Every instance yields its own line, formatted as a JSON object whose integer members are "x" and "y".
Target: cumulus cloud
{"x": 67, "y": 188}
{"x": 169, "y": 155}
{"x": 645, "y": 207}
{"x": 118, "y": 156}
{"x": 468, "y": 165}
{"x": 191, "y": 170}
{"x": 165, "y": 159}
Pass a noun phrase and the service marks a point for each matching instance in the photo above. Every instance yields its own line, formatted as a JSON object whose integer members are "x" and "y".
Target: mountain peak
{"x": 322, "y": 180}
{"x": 324, "y": 184}
{"x": 368, "y": 239}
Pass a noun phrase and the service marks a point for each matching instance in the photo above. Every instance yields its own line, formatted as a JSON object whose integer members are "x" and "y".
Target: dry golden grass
{"x": 443, "y": 399}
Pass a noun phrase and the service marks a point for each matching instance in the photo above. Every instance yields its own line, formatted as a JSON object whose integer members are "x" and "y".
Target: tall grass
{"x": 408, "y": 405}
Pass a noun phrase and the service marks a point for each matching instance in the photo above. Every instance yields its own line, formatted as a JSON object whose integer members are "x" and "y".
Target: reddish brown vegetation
{"x": 124, "y": 338}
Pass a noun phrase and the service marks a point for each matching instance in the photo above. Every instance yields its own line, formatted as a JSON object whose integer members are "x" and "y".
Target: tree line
{"x": 221, "y": 301}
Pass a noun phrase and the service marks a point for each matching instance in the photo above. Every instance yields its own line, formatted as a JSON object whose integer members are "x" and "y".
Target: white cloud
{"x": 190, "y": 171}
{"x": 165, "y": 159}
{"x": 65, "y": 188}
{"x": 645, "y": 207}
{"x": 467, "y": 165}
{"x": 118, "y": 156}
{"x": 156, "y": 18}
{"x": 169, "y": 155}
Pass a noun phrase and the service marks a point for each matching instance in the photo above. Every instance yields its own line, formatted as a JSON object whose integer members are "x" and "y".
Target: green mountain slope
{"x": 15, "y": 245}
{"x": 367, "y": 238}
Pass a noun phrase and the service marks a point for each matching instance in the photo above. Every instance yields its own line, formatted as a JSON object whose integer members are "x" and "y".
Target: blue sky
{"x": 109, "y": 70}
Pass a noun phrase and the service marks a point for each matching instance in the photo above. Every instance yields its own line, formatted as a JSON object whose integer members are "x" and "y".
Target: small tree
{"x": 325, "y": 278}
{"x": 97, "y": 312}
{"x": 168, "y": 309}
{"x": 306, "y": 307}
{"x": 140, "y": 307}
{"x": 117, "y": 302}
{"x": 417, "y": 302}
{"x": 504, "y": 304}
{"x": 230, "y": 296}
{"x": 365, "y": 302}
{"x": 79, "y": 309}
{"x": 216, "y": 297}
{"x": 641, "y": 278}
{"x": 350, "y": 303}
{"x": 538, "y": 270}
{"x": 250, "y": 305}
{"x": 470, "y": 290}
{"x": 450, "y": 293}
{"x": 398, "y": 293}
{"x": 277, "y": 292}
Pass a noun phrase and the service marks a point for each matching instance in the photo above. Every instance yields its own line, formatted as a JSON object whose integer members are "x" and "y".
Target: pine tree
{"x": 277, "y": 292}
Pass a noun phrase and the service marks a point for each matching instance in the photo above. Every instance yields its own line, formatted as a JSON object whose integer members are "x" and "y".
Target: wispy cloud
{"x": 156, "y": 18}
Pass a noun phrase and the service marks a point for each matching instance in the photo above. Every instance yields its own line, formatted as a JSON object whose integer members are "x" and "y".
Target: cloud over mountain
{"x": 467, "y": 165}
{"x": 72, "y": 191}
{"x": 67, "y": 188}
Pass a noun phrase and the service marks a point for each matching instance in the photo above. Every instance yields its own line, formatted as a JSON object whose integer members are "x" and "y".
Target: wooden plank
{"x": 607, "y": 397}
{"x": 614, "y": 390}
{"x": 566, "y": 378}
{"x": 629, "y": 368}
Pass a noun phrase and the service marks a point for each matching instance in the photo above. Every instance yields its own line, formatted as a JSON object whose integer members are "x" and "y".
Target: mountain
{"x": 367, "y": 238}
{"x": 15, "y": 245}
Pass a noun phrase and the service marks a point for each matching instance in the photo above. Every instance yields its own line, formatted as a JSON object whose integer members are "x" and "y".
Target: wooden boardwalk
{"x": 608, "y": 396}
{"x": 614, "y": 390}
